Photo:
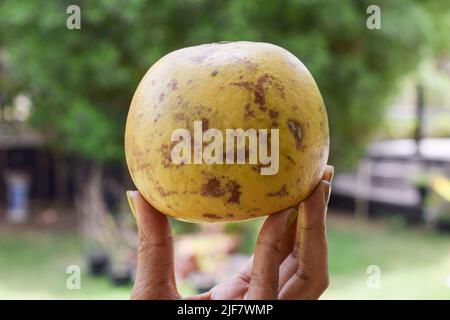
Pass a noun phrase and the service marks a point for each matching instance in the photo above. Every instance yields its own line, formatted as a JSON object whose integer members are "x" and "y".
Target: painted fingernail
{"x": 292, "y": 217}
{"x": 130, "y": 202}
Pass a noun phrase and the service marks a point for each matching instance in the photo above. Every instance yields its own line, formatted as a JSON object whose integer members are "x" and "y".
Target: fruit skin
{"x": 226, "y": 85}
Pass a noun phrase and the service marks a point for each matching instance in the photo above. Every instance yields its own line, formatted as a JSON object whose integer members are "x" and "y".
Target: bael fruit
{"x": 226, "y": 85}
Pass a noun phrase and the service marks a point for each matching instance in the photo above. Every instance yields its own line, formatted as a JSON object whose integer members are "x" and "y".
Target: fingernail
{"x": 328, "y": 176}
{"x": 130, "y": 202}
{"x": 292, "y": 217}
{"x": 327, "y": 192}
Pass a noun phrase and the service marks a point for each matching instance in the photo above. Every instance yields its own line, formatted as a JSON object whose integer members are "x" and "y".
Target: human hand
{"x": 290, "y": 259}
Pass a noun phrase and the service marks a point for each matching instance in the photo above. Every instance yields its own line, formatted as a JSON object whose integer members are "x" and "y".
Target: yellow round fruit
{"x": 185, "y": 117}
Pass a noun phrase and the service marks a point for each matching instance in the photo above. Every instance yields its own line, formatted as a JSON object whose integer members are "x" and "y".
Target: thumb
{"x": 155, "y": 276}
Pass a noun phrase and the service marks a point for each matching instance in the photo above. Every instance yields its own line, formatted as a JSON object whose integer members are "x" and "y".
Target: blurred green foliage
{"x": 247, "y": 231}
{"x": 82, "y": 81}
{"x": 183, "y": 227}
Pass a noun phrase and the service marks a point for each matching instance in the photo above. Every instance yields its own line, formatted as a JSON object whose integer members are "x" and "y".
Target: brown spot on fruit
{"x": 161, "y": 97}
{"x": 290, "y": 159}
{"x": 234, "y": 189}
{"x": 260, "y": 97}
{"x": 214, "y": 73}
{"x": 165, "y": 150}
{"x": 165, "y": 153}
{"x": 257, "y": 167}
{"x": 244, "y": 84}
{"x": 212, "y": 216}
{"x": 163, "y": 193}
{"x": 205, "y": 124}
{"x": 189, "y": 82}
{"x": 247, "y": 153}
{"x": 280, "y": 193}
{"x": 273, "y": 114}
{"x": 173, "y": 84}
{"x": 230, "y": 215}
{"x": 257, "y": 88}
{"x": 212, "y": 188}
{"x": 249, "y": 113}
{"x": 296, "y": 130}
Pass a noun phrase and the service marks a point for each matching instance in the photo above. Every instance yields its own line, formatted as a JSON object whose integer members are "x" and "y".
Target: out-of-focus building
{"x": 397, "y": 173}
{"x": 26, "y": 165}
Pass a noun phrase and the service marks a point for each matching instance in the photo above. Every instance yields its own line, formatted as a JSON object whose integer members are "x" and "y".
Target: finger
{"x": 290, "y": 265}
{"x": 155, "y": 275}
{"x": 246, "y": 272}
{"x": 288, "y": 268}
{"x": 326, "y": 178}
{"x": 287, "y": 245}
{"x": 237, "y": 286}
{"x": 268, "y": 256}
{"x": 311, "y": 276}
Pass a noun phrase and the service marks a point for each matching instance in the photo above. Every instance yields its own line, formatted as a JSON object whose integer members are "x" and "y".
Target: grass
{"x": 414, "y": 264}
{"x": 33, "y": 266}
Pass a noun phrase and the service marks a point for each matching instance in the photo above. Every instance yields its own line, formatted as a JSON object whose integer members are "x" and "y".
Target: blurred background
{"x": 64, "y": 96}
